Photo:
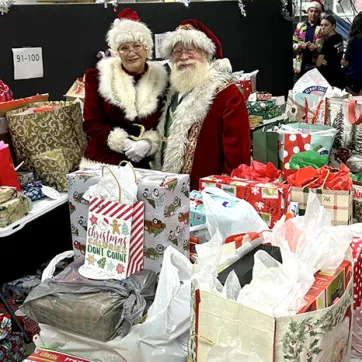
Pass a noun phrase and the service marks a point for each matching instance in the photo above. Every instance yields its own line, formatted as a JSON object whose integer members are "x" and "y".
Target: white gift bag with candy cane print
{"x": 115, "y": 236}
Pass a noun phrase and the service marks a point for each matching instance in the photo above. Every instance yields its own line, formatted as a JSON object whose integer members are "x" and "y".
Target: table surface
{"x": 40, "y": 207}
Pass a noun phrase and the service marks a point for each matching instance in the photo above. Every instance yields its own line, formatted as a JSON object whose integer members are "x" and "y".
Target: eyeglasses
{"x": 177, "y": 53}
{"x": 137, "y": 48}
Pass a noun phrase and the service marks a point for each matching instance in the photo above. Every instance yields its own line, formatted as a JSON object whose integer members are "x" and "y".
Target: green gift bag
{"x": 265, "y": 147}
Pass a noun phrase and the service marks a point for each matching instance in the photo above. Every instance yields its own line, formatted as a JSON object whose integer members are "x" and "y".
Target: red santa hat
{"x": 128, "y": 28}
{"x": 316, "y": 4}
{"x": 193, "y": 32}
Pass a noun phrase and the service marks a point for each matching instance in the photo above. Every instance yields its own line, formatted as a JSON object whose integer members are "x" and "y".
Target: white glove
{"x": 127, "y": 144}
{"x": 138, "y": 150}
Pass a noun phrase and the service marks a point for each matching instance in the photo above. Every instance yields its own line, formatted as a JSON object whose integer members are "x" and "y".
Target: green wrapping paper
{"x": 13, "y": 210}
{"x": 264, "y": 109}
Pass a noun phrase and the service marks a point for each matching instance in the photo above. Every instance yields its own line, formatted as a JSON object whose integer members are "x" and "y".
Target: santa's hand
{"x": 138, "y": 150}
{"x": 127, "y": 144}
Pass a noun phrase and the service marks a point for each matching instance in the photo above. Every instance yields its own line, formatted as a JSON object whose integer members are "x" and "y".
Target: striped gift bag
{"x": 114, "y": 246}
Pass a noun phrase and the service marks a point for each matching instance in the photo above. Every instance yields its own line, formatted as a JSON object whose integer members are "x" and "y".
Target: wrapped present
{"x": 266, "y": 110}
{"x": 41, "y": 355}
{"x": 5, "y": 326}
{"x": 357, "y": 201}
{"x": 270, "y": 200}
{"x": 34, "y": 190}
{"x": 327, "y": 288}
{"x": 21, "y": 287}
{"x": 78, "y": 183}
{"x": 25, "y": 177}
{"x": 30, "y": 326}
{"x": 12, "y": 349}
{"x": 167, "y": 213}
{"x": 263, "y": 96}
{"x": 7, "y": 193}
{"x": 13, "y": 210}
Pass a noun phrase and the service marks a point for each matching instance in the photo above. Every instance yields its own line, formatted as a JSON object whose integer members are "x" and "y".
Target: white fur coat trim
{"x": 193, "y": 109}
{"x": 117, "y": 87}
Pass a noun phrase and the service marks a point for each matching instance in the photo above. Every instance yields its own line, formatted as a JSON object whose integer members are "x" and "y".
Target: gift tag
{"x": 51, "y": 193}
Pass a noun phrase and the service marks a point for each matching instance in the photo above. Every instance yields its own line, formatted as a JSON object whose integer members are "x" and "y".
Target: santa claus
{"x": 124, "y": 97}
{"x": 205, "y": 122}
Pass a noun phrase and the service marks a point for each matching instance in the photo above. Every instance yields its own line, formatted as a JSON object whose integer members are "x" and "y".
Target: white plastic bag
{"x": 240, "y": 218}
{"x": 163, "y": 336}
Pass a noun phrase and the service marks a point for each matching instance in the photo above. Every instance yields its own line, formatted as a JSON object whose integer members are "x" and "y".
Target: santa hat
{"x": 193, "y": 32}
{"x": 316, "y": 4}
{"x": 128, "y": 28}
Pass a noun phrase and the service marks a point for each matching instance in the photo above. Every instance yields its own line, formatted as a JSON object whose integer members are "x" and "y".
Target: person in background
{"x": 329, "y": 60}
{"x": 308, "y": 40}
{"x": 353, "y": 57}
{"x": 124, "y": 97}
{"x": 205, "y": 123}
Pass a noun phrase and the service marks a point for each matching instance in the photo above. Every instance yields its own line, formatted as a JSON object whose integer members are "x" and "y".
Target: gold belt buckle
{"x": 142, "y": 131}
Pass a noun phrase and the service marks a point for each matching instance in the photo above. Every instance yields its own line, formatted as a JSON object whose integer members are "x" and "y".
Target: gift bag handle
{"x": 352, "y": 113}
{"x": 132, "y": 168}
{"x": 119, "y": 186}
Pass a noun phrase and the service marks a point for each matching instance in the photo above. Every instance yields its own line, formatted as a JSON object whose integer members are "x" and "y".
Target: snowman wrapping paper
{"x": 167, "y": 212}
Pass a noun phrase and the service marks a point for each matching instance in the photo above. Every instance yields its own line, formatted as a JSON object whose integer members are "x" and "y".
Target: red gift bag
{"x": 5, "y": 93}
{"x": 8, "y": 176}
{"x": 247, "y": 88}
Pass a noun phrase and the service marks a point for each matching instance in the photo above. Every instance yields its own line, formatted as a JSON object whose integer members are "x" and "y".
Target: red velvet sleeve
{"x": 235, "y": 130}
{"x": 93, "y": 117}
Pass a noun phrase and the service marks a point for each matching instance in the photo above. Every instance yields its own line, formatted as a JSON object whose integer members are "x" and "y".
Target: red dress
{"x": 116, "y": 104}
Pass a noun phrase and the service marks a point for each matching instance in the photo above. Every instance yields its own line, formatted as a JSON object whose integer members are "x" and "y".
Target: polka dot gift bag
{"x": 301, "y": 137}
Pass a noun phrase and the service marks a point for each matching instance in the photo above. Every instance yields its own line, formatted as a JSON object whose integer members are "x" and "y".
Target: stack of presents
{"x": 263, "y": 264}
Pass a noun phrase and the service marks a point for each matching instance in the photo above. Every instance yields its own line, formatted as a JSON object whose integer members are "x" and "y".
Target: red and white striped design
{"x": 124, "y": 212}
{"x": 137, "y": 239}
{"x": 111, "y": 209}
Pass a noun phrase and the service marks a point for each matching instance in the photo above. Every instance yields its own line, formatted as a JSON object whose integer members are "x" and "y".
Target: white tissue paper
{"x": 108, "y": 189}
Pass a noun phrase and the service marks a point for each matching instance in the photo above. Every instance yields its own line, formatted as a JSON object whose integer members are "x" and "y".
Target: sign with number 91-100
{"x": 28, "y": 63}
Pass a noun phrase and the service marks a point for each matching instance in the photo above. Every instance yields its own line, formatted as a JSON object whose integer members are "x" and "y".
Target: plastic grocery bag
{"x": 164, "y": 334}
{"x": 241, "y": 218}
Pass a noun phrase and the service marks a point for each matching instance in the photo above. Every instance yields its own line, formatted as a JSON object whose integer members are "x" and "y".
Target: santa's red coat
{"x": 210, "y": 132}
{"x": 114, "y": 102}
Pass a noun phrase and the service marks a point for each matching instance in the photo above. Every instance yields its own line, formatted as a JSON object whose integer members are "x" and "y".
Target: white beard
{"x": 185, "y": 80}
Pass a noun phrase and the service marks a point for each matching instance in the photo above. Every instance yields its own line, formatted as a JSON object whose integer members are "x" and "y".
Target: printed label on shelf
{"x": 28, "y": 63}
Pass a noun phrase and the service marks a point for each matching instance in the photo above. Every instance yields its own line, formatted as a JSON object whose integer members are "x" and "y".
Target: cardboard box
{"x": 327, "y": 288}
{"x": 270, "y": 200}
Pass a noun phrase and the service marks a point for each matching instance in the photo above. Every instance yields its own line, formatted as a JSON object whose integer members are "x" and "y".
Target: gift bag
{"x": 34, "y": 133}
{"x": 265, "y": 147}
{"x": 8, "y": 176}
{"x": 232, "y": 332}
{"x": 76, "y": 91}
{"x": 114, "y": 246}
{"x": 5, "y": 93}
{"x": 346, "y": 117}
